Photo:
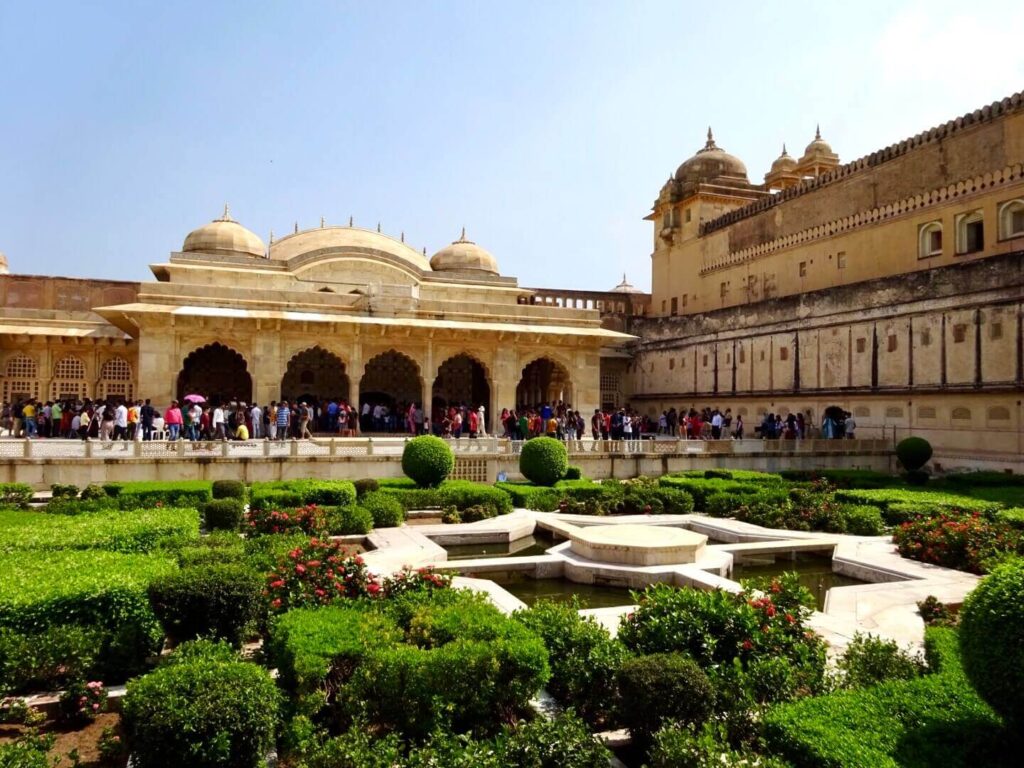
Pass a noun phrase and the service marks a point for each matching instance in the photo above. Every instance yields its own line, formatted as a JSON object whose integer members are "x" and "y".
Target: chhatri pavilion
{"x": 329, "y": 312}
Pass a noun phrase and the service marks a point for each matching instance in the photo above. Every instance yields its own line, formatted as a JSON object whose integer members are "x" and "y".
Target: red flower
{"x": 300, "y": 568}
{"x": 747, "y": 645}
{"x": 373, "y": 588}
{"x": 277, "y": 584}
{"x": 790, "y": 619}
{"x": 276, "y": 603}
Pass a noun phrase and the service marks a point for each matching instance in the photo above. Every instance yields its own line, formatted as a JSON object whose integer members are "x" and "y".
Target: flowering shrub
{"x": 419, "y": 580}
{"x": 967, "y": 541}
{"x": 316, "y": 573}
{"x": 82, "y": 702}
{"x": 310, "y": 520}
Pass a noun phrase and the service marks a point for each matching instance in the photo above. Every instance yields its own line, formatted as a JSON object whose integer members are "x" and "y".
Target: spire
{"x": 296, "y": 227}
{"x": 784, "y": 153}
{"x": 271, "y": 237}
{"x": 378, "y": 226}
{"x": 350, "y": 219}
{"x": 462, "y": 237}
{"x": 322, "y": 220}
{"x": 226, "y": 216}
{"x": 623, "y": 278}
{"x": 710, "y": 143}
{"x": 817, "y": 132}
{"x": 403, "y": 236}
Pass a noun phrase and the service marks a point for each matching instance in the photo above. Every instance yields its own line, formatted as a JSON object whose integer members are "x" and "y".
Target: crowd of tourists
{"x": 234, "y": 420}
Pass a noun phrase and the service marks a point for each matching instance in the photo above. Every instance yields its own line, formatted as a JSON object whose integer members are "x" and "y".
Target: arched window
{"x": 21, "y": 378}
{"x": 116, "y": 380}
{"x": 970, "y": 232}
{"x": 69, "y": 380}
{"x": 929, "y": 240}
{"x": 1011, "y": 219}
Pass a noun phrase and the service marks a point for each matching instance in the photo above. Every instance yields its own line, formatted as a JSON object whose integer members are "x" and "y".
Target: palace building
{"x": 330, "y": 312}
{"x": 891, "y": 286}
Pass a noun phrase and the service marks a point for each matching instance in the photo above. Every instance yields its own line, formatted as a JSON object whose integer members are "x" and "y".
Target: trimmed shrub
{"x": 221, "y": 601}
{"x": 141, "y": 530}
{"x": 913, "y": 453}
{"x": 264, "y": 552}
{"x": 311, "y": 520}
{"x": 427, "y": 460}
{"x": 223, "y": 514}
{"x": 869, "y": 660}
{"x": 661, "y": 689}
{"x": 63, "y": 491}
{"x": 228, "y": 489}
{"x": 708, "y": 747}
{"x": 48, "y": 659}
{"x": 968, "y": 542}
{"x": 1013, "y": 517}
{"x": 93, "y": 492}
{"x": 365, "y": 486}
{"x": 463, "y": 494}
{"x": 217, "y": 547}
{"x": 15, "y": 494}
{"x": 573, "y": 473}
{"x": 543, "y": 460}
{"x": 105, "y": 590}
{"x": 286, "y": 494}
{"x": 584, "y": 659}
{"x": 348, "y": 521}
{"x": 936, "y": 719}
{"x": 992, "y": 640}
{"x": 317, "y": 572}
{"x": 183, "y": 493}
{"x": 560, "y": 742}
{"x": 384, "y": 508}
{"x": 863, "y": 520}
{"x": 201, "y": 712}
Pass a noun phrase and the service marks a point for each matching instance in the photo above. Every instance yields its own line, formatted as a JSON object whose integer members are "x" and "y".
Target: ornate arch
{"x": 545, "y": 378}
{"x": 391, "y": 377}
{"x": 116, "y": 380}
{"x": 315, "y": 373}
{"x": 69, "y": 381}
{"x": 216, "y": 371}
{"x": 462, "y": 379}
{"x": 21, "y": 378}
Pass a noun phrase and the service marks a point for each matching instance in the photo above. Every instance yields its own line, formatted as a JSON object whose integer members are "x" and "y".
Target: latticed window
{"x": 610, "y": 395}
{"x": 116, "y": 379}
{"x": 69, "y": 379}
{"x": 21, "y": 378}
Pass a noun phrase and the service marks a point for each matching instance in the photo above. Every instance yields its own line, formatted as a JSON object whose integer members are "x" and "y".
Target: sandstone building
{"x": 334, "y": 311}
{"x": 891, "y": 286}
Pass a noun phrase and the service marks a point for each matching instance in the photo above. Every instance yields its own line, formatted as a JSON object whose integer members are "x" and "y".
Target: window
{"x": 970, "y": 233}
{"x": 959, "y": 333}
{"x": 688, "y": 212}
{"x": 675, "y": 306}
{"x": 743, "y": 355}
{"x": 671, "y": 363}
{"x": 705, "y": 361}
{"x": 841, "y": 260}
{"x": 995, "y": 331}
{"x": 998, "y": 413}
{"x": 663, "y": 306}
{"x": 685, "y": 297}
{"x": 926, "y": 338}
{"x": 929, "y": 240}
{"x": 892, "y": 342}
{"x": 724, "y": 290}
{"x": 783, "y": 353}
{"x": 862, "y": 344}
{"x": 962, "y": 414}
{"x": 925, "y": 412}
{"x": 803, "y": 269}
{"x": 1011, "y": 219}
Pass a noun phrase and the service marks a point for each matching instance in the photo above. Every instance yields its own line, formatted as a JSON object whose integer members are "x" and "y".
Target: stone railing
{"x": 56, "y": 450}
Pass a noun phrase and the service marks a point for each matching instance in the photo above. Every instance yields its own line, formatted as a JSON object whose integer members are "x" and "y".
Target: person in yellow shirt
{"x": 242, "y": 432}
{"x": 28, "y": 413}
{"x": 551, "y": 428}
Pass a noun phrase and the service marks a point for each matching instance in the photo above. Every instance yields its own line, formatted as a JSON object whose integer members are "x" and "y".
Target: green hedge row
{"x": 285, "y": 494}
{"x": 460, "y": 494}
{"x": 15, "y": 494}
{"x": 183, "y": 493}
{"x": 141, "y": 530}
{"x": 934, "y": 720}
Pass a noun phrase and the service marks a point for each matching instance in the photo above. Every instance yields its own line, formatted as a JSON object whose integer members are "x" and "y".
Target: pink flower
{"x": 747, "y": 645}
{"x": 276, "y": 603}
{"x": 300, "y": 568}
{"x": 373, "y": 588}
{"x": 277, "y": 584}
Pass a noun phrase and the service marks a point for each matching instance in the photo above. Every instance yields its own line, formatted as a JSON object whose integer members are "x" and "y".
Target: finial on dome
{"x": 784, "y": 153}
{"x": 322, "y": 221}
{"x": 296, "y": 227}
{"x": 462, "y": 237}
{"x": 623, "y": 277}
{"x": 711, "y": 141}
{"x": 378, "y": 226}
{"x": 271, "y": 237}
{"x": 817, "y": 132}
{"x": 350, "y": 220}
{"x": 226, "y": 216}
{"x": 403, "y": 236}
{"x": 424, "y": 250}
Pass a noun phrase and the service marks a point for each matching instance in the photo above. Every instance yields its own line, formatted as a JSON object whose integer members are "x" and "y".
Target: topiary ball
{"x": 427, "y": 460}
{"x": 543, "y": 461}
{"x": 913, "y": 453}
{"x": 992, "y": 640}
{"x": 661, "y": 689}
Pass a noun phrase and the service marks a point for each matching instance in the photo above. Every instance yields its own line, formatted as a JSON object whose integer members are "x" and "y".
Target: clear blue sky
{"x": 546, "y": 128}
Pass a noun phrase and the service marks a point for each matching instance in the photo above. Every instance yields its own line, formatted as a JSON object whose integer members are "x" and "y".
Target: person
{"x": 219, "y": 423}
{"x": 76, "y": 426}
{"x": 473, "y": 424}
{"x": 147, "y": 413}
{"x": 173, "y": 421}
{"x": 738, "y": 432}
{"x": 121, "y": 422}
{"x": 28, "y": 418}
{"x": 133, "y": 421}
{"x": 480, "y": 423}
{"x": 305, "y": 415}
{"x": 716, "y": 425}
{"x": 241, "y": 431}
{"x": 850, "y": 426}
{"x": 256, "y": 416}
{"x": 284, "y": 420}
{"x": 410, "y": 419}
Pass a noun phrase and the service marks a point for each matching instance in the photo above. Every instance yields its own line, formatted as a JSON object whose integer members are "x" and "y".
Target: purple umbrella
{"x": 194, "y": 399}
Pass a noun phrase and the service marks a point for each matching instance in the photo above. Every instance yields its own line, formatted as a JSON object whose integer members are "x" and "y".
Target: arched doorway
{"x": 543, "y": 381}
{"x": 218, "y": 373}
{"x": 315, "y": 374}
{"x": 391, "y": 379}
{"x": 461, "y": 380}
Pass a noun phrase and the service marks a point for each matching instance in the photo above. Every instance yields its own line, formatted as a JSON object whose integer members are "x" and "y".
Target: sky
{"x": 544, "y": 128}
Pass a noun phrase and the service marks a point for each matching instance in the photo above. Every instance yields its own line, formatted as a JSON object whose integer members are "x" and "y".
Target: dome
{"x": 327, "y": 240}
{"x": 224, "y": 236}
{"x": 784, "y": 163}
{"x": 464, "y": 256}
{"x": 711, "y": 162}
{"x": 625, "y": 286}
{"x": 819, "y": 146}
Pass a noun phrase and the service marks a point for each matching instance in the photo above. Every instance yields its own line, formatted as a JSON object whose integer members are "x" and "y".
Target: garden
{"x": 226, "y": 624}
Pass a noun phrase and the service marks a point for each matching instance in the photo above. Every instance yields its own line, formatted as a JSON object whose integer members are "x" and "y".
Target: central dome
{"x": 224, "y": 236}
{"x": 710, "y": 163}
{"x": 464, "y": 256}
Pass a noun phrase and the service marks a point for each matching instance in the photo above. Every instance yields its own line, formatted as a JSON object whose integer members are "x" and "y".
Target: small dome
{"x": 4, "y": 269}
{"x": 785, "y": 162}
{"x": 463, "y": 256}
{"x": 224, "y": 236}
{"x": 711, "y": 162}
{"x": 625, "y": 286}
{"x": 819, "y": 146}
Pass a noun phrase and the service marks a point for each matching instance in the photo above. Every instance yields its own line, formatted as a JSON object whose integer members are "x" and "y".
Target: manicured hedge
{"x": 223, "y": 601}
{"x": 228, "y": 489}
{"x": 934, "y": 720}
{"x": 217, "y": 547}
{"x": 140, "y": 530}
{"x": 460, "y": 494}
{"x": 92, "y": 588}
{"x": 204, "y": 712}
{"x": 285, "y": 494}
{"x": 543, "y": 460}
{"x": 15, "y": 494}
{"x": 385, "y": 509}
{"x": 183, "y": 493}
{"x": 427, "y": 461}
{"x": 926, "y": 501}
{"x": 348, "y": 521}
{"x": 663, "y": 688}
{"x": 223, "y": 514}
{"x": 842, "y": 478}
{"x": 703, "y": 488}
{"x": 49, "y": 659}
